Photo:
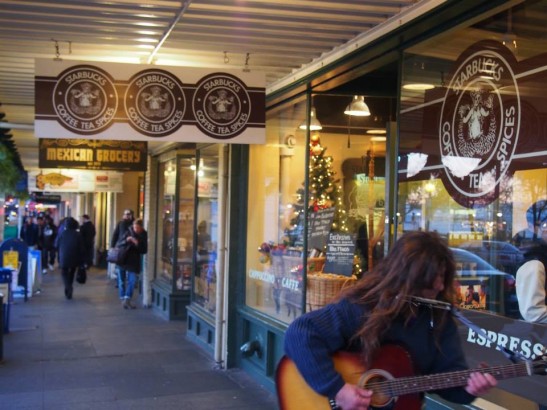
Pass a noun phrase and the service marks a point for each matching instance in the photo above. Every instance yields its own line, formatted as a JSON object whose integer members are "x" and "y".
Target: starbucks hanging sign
{"x": 148, "y": 103}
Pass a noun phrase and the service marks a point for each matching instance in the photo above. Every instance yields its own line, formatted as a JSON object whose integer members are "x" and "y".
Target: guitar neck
{"x": 417, "y": 384}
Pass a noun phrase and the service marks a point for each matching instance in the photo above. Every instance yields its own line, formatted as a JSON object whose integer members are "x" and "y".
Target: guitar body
{"x": 391, "y": 361}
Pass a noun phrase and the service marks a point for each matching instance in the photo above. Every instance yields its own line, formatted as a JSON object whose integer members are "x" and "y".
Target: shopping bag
{"x": 117, "y": 255}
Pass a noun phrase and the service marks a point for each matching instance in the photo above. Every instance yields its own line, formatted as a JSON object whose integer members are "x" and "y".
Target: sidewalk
{"x": 90, "y": 353}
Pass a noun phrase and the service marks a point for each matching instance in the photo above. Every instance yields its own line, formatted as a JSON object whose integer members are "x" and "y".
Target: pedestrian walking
{"x": 88, "y": 232}
{"x": 49, "y": 234}
{"x": 29, "y": 232}
{"x": 120, "y": 232}
{"x": 71, "y": 251}
{"x": 136, "y": 241}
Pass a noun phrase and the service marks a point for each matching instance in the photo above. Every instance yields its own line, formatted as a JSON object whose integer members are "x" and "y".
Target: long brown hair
{"x": 412, "y": 265}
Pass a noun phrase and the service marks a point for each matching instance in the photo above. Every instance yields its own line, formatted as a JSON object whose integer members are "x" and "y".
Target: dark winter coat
{"x": 71, "y": 248}
{"x": 87, "y": 230}
{"x": 133, "y": 260}
{"x": 120, "y": 232}
{"x": 29, "y": 234}
{"x": 49, "y": 235}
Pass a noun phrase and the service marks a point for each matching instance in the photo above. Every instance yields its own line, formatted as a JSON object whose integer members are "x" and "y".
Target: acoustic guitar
{"x": 391, "y": 378}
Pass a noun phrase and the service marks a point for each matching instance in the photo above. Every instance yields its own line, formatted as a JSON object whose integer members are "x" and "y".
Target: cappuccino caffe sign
{"x": 479, "y": 123}
{"x": 107, "y": 101}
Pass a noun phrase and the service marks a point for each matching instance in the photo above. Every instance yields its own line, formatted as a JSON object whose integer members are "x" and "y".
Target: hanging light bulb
{"x": 315, "y": 125}
{"x": 357, "y": 107}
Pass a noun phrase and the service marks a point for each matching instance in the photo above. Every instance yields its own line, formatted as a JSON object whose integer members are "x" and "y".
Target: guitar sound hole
{"x": 372, "y": 380}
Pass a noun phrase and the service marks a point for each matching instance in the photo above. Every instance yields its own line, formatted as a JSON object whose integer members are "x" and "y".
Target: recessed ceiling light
{"x": 376, "y": 131}
{"x": 378, "y": 139}
{"x": 147, "y": 32}
{"x": 147, "y": 24}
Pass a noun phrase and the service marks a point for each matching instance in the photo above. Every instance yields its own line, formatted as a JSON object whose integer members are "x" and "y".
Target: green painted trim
{"x": 239, "y": 181}
{"x": 198, "y": 319}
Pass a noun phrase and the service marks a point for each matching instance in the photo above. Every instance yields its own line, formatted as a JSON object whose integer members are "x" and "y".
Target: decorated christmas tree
{"x": 324, "y": 192}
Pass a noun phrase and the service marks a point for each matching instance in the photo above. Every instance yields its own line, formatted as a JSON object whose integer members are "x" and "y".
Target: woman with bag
{"x": 136, "y": 242}
{"x": 71, "y": 249}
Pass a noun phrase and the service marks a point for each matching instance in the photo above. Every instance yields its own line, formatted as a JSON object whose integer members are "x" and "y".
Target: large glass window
{"x": 316, "y": 203}
{"x": 176, "y": 221}
{"x": 473, "y": 149}
{"x": 205, "y": 278}
{"x": 166, "y": 211}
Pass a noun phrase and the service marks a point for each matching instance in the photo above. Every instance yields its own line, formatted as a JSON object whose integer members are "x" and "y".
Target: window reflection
{"x": 472, "y": 150}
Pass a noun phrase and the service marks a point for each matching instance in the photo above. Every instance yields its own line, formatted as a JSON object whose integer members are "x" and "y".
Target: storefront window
{"x": 473, "y": 146}
{"x": 175, "y": 228}
{"x": 316, "y": 207}
{"x": 205, "y": 279}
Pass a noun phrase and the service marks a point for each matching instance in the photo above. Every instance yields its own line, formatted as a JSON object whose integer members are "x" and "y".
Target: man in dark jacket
{"x": 118, "y": 239}
{"x": 87, "y": 230}
{"x": 49, "y": 234}
{"x": 29, "y": 232}
{"x": 71, "y": 250}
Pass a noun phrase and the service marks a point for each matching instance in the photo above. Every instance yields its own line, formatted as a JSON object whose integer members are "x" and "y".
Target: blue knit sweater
{"x": 313, "y": 337}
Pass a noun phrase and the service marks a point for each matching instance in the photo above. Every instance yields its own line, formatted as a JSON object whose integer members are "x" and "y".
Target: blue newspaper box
{"x": 17, "y": 245}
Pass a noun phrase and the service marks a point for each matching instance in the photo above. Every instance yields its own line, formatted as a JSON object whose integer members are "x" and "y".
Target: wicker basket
{"x": 316, "y": 264}
{"x": 324, "y": 287}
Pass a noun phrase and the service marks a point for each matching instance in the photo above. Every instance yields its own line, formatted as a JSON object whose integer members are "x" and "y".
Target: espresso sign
{"x": 93, "y": 154}
{"x": 109, "y": 101}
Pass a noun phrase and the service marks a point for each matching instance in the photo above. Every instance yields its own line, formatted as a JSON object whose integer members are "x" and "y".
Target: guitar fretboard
{"x": 416, "y": 384}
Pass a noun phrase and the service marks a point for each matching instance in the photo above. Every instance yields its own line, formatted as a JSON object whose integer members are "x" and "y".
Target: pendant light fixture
{"x": 315, "y": 125}
{"x": 418, "y": 73}
{"x": 357, "y": 107}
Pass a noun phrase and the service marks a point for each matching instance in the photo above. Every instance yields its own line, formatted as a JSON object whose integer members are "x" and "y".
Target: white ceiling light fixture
{"x": 376, "y": 131}
{"x": 357, "y": 107}
{"x": 315, "y": 125}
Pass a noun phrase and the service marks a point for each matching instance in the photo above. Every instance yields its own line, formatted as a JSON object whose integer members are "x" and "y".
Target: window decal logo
{"x": 480, "y": 122}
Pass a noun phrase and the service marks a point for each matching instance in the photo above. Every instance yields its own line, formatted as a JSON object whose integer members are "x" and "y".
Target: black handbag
{"x": 117, "y": 255}
{"x": 81, "y": 275}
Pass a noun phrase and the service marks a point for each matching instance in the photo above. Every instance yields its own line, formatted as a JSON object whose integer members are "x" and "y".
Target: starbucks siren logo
{"x": 479, "y": 125}
{"x": 155, "y": 103}
{"x": 222, "y": 106}
{"x": 85, "y": 99}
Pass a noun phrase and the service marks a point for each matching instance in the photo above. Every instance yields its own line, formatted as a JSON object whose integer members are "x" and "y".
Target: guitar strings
{"x": 406, "y": 385}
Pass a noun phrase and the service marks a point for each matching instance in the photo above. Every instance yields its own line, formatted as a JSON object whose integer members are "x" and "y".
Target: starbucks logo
{"x": 221, "y": 106}
{"x": 155, "y": 103}
{"x": 85, "y": 99}
{"x": 479, "y": 125}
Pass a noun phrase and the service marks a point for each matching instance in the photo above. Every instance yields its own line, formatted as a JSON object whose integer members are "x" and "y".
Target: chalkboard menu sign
{"x": 340, "y": 251}
{"x": 319, "y": 228}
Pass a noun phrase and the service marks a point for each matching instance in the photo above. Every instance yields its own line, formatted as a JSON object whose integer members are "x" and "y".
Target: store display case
{"x": 175, "y": 233}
